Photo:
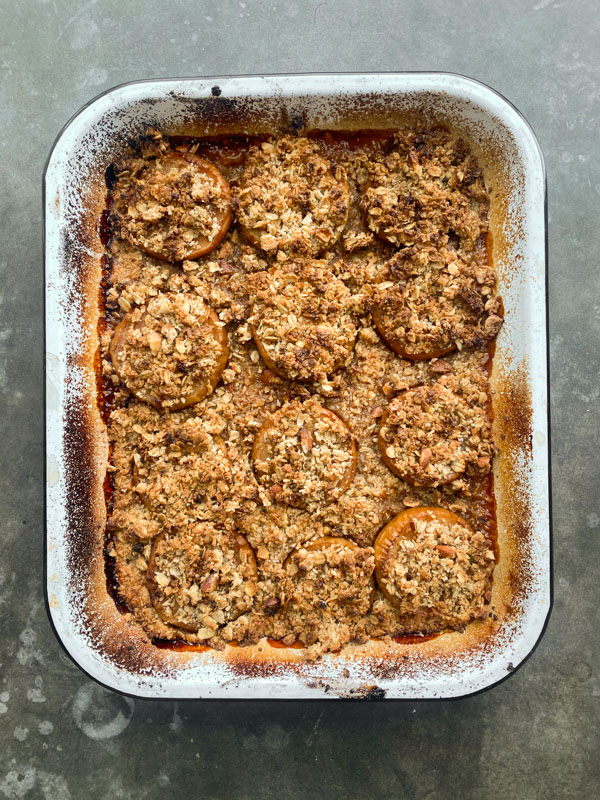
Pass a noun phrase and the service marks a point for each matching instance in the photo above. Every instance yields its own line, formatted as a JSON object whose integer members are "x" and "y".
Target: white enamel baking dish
{"x": 104, "y": 642}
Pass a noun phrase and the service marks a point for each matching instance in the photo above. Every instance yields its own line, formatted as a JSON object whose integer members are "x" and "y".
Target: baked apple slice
{"x": 200, "y": 578}
{"x": 176, "y": 206}
{"x": 429, "y": 436}
{"x": 430, "y": 561}
{"x": 303, "y": 320}
{"x": 304, "y": 454}
{"x": 332, "y": 581}
{"x": 172, "y": 352}
{"x": 291, "y": 199}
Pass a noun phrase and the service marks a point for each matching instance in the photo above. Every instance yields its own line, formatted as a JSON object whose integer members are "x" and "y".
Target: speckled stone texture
{"x": 534, "y": 736}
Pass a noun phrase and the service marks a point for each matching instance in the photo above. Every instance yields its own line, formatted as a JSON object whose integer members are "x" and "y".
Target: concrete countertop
{"x": 534, "y": 736}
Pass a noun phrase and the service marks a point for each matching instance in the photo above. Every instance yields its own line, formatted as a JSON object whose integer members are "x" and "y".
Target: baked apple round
{"x": 303, "y": 321}
{"x": 200, "y": 578}
{"x": 176, "y": 206}
{"x": 429, "y": 436}
{"x": 332, "y": 580}
{"x": 434, "y": 302}
{"x": 429, "y": 561}
{"x": 304, "y": 454}
{"x": 427, "y": 190}
{"x": 292, "y": 199}
{"x": 171, "y": 352}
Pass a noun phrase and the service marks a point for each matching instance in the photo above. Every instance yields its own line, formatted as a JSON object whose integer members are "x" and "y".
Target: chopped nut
{"x": 306, "y": 440}
{"x": 211, "y": 583}
{"x": 441, "y": 366}
{"x": 225, "y": 268}
{"x": 271, "y": 605}
{"x": 411, "y": 502}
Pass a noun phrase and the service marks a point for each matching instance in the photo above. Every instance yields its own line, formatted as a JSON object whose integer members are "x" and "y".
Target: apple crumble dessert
{"x": 296, "y": 346}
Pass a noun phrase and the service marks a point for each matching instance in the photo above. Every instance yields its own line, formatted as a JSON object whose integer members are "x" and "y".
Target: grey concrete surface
{"x": 536, "y": 735}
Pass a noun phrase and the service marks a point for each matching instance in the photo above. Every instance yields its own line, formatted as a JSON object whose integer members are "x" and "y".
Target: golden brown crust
{"x": 304, "y": 455}
{"x": 304, "y": 320}
{"x": 171, "y": 352}
{"x": 332, "y": 590}
{"x": 174, "y": 205}
{"x": 429, "y": 436}
{"x": 427, "y": 189}
{"x": 290, "y": 199}
{"x": 429, "y": 562}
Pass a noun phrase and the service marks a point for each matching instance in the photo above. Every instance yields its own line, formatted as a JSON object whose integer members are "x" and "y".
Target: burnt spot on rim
{"x": 297, "y": 122}
{"x": 517, "y": 412}
{"x": 370, "y": 694}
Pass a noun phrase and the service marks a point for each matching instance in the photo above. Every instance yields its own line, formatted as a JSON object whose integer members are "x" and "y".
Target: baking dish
{"x": 104, "y": 643}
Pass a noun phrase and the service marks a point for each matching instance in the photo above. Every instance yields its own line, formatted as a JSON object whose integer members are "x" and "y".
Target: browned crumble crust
{"x": 291, "y": 199}
{"x": 430, "y": 562}
{"x": 304, "y": 320}
{"x": 182, "y": 476}
{"x": 432, "y": 302}
{"x": 171, "y": 352}
{"x": 168, "y": 470}
{"x": 304, "y": 454}
{"x": 427, "y": 189}
{"x": 174, "y": 205}
{"x": 332, "y": 591}
{"x": 429, "y": 436}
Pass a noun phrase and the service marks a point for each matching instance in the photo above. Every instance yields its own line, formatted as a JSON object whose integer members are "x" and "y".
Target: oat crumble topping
{"x": 432, "y": 302}
{"x": 171, "y": 352}
{"x": 430, "y": 561}
{"x": 425, "y": 191}
{"x": 304, "y": 320}
{"x": 273, "y": 415}
{"x": 169, "y": 470}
